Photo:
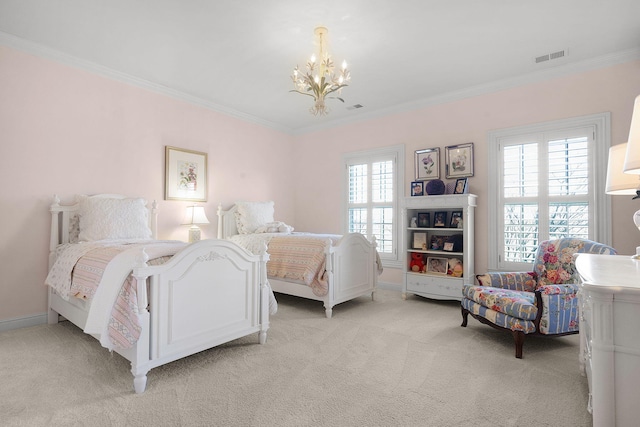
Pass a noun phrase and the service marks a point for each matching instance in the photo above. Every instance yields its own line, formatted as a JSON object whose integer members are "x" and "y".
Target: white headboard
{"x": 227, "y": 226}
{"x": 65, "y": 222}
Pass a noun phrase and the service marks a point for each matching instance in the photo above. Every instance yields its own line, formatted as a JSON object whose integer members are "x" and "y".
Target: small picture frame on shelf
{"x": 424, "y": 219}
{"x": 419, "y": 240}
{"x": 461, "y": 186}
{"x": 440, "y": 219}
{"x": 456, "y": 219}
{"x": 417, "y": 188}
{"x": 437, "y": 243}
{"x": 437, "y": 265}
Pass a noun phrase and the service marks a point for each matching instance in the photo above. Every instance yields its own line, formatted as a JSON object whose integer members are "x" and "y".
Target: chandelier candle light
{"x": 319, "y": 79}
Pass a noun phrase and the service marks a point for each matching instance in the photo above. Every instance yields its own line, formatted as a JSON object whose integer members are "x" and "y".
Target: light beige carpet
{"x": 383, "y": 363}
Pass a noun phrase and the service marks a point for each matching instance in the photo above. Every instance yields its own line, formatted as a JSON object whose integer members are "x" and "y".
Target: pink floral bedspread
{"x": 79, "y": 270}
{"x": 124, "y": 327}
{"x": 298, "y": 256}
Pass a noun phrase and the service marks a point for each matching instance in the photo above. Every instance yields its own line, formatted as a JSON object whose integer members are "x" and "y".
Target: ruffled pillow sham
{"x": 103, "y": 218}
{"x": 251, "y": 215}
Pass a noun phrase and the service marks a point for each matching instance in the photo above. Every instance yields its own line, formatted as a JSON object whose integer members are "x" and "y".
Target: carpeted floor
{"x": 386, "y": 362}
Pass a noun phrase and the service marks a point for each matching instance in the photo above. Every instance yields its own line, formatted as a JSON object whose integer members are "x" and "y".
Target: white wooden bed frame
{"x": 209, "y": 293}
{"x": 351, "y": 267}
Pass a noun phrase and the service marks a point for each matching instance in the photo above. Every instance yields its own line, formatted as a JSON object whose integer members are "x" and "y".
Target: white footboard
{"x": 209, "y": 293}
{"x": 352, "y": 269}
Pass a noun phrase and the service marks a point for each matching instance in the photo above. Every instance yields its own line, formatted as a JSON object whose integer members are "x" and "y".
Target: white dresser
{"x": 610, "y": 337}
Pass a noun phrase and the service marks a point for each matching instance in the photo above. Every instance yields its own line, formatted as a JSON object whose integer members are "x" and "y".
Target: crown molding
{"x": 496, "y": 86}
{"x": 534, "y": 77}
{"x": 40, "y": 50}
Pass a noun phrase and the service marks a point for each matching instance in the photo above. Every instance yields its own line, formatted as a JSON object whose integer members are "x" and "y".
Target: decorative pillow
{"x": 108, "y": 218}
{"x": 251, "y": 215}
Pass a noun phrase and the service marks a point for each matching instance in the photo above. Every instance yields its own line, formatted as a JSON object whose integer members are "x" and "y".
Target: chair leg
{"x": 465, "y": 315}
{"x": 518, "y": 337}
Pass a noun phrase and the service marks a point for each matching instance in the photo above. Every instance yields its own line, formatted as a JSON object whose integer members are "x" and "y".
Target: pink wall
{"x": 67, "y": 131}
{"x": 611, "y": 89}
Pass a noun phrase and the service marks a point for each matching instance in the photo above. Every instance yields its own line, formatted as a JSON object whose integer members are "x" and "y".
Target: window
{"x": 546, "y": 182}
{"x": 373, "y": 186}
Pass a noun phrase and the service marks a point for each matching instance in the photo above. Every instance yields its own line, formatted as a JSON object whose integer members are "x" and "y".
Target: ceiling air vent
{"x": 550, "y": 56}
{"x": 355, "y": 106}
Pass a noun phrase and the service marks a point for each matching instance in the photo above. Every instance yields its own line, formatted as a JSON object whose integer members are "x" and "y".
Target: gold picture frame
{"x": 185, "y": 175}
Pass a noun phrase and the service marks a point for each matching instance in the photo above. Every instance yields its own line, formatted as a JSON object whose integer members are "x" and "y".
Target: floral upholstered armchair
{"x": 543, "y": 301}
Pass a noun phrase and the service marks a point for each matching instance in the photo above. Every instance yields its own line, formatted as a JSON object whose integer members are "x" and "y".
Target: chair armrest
{"x": 558, "y": 309}
{"x": 561, "y": 289}
{"x": 516, "y": 281}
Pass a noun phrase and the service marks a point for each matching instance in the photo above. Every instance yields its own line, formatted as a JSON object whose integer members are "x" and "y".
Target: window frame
{"x": 396, "y": 154}
{"x": 599, "y": 202}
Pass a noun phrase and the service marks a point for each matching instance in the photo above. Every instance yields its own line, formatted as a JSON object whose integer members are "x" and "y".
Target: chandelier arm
{"x": 302, "y": 93}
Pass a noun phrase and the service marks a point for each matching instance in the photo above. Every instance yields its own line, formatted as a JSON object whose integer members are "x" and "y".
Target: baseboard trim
{"x": 40, "y": 319}
{"x": 23, "y": 322}
{"x": 390, "y": 286}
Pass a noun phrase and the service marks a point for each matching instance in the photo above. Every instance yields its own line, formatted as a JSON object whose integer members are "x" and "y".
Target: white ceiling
{"x": 236, "y": 56}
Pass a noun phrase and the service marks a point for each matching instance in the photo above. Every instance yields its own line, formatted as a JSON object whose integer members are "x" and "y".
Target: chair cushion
{"x": 499, "y": 319}
{"x": 518, "y": 304}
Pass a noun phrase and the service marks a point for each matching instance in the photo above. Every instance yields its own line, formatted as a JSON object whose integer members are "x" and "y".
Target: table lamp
{"x": 194, "y": 216}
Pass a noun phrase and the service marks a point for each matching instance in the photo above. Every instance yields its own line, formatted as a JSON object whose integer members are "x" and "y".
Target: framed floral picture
{"x": 427, "y": 164}
{"x": 458, "y": 160}
{"x": 185, "y": 175}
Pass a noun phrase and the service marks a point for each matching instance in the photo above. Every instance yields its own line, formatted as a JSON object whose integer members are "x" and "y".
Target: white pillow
{"x": 107, "y": 218}
{"x": 251, "y": 215}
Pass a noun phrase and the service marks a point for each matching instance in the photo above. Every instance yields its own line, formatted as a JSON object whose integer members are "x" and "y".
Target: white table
{"x": 610, "y": 337}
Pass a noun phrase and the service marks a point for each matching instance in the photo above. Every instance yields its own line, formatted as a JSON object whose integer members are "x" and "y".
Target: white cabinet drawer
{"x": 431, "y": 286}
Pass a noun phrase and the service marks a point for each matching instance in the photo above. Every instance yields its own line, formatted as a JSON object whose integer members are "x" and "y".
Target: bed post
{"x": 54, "y": 240}
{"x": 220, "y": 222}
{"x": 264, "y": 297}
{"x": 328, "y": 302}
{"x": 142, "y": 348}
{"x": 154, "y": 220}
{"x": 376, "y": 267}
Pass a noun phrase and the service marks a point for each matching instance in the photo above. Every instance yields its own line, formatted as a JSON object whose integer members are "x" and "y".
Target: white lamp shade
{"x": 195, "y": 215}
{"x": 618, "y": 182}
{"x": 632, "y": 159}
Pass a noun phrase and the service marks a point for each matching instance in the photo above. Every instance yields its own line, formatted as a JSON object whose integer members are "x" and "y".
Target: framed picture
{"x": 424, "y": 219}
{"x": 437, "y": 265}
{"x": 456, "y": 219}
{"x": 417, "y": 188}
{"x": 437, "y": 243}
{"x": 419, "y": 240}
{"x": 440, "y": 219}
{"x": 461, "y": 186}
{"x": 427, "y": 164}
{"x": 458, "y": 160}
{"x": 185, "y": 175}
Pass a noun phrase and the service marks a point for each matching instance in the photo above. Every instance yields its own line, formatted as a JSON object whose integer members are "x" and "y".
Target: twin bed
{"x": 204, "y": 295}
{"x": 154, "y": 302}
{"x": 350, "y": 266}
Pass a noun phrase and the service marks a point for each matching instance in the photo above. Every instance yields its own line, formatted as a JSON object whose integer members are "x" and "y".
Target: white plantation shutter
{"x": 547, "y": 186}
{"x": 372, "y": 198}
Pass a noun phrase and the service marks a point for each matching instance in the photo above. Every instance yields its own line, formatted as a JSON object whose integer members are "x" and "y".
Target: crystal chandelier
{"x": 319, "y": 79}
